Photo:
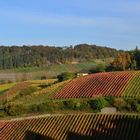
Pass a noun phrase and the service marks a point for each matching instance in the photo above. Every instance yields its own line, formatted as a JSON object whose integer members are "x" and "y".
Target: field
{"x": 40, "y": 96}
{"x": 74, "y": 126}
{"x": 92, "y": 93}
{"x": 75, "y": 103}
{"x": 49, "y": 72}
{"x": 115, "y": 84}
{"x": 13, "y": 89}
{"x": 5, "y": 87}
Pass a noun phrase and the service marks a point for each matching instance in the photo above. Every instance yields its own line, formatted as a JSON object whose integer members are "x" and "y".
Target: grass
{"x": 42, "y": 81}
{"x": 54, "y": 67}
{"x": 6, "y": 86}
{"x": 49, "y": 72}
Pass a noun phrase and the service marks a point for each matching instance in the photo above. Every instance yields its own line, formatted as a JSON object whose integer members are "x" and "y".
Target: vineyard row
{"x": 76, "y": 126}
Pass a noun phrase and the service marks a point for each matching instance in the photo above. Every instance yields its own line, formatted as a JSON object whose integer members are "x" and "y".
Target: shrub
{"x": 13, "y": 110}
{"x": 110, "y": 99}
{"x": 3, "y": 82}
{"x": 73, "y": 104}
{"x": 33, "y": 108}
{"x": 98, "y": 103}
{"x": 2, "y": 114}
{"x": 43, "y": 77}
{"x": 27, "y": 91}
{"x": 136, "y": 106}
{"x": 120, "y": 103}
{"x": 100, "y": 68}
{"x": 9, "y": 81}
{"x": 66, "y": 76}
{"x": 46, "y": 107}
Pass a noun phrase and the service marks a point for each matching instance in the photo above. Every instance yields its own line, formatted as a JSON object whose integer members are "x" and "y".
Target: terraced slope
{"x": 42, "y": 95}
{"x": 80, "y": 126}
{"x": 4, "y": 87}
{"x": 12, "y": 91}
{"x": 103, "y": 84}
{"x": 15, "y": 88}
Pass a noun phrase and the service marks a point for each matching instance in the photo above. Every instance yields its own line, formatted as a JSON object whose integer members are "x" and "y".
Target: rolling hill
{"x": 117, "y": 84}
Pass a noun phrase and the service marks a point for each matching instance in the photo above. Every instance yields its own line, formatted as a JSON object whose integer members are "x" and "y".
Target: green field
{"x": 6, "y": 86}
{"x": 51, "y": 71}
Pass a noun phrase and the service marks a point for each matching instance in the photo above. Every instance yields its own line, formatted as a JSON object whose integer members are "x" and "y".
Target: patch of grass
{"x": 4, "y": 87}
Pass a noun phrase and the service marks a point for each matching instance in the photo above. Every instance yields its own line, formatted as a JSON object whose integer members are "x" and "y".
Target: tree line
{"x": 41, "y": 56}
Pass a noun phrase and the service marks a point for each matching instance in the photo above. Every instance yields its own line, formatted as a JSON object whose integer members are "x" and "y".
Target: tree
{"x": 122, "y": 61}
{"x": 66, "y": 76}
{"x": 100, "y": 68}
{"x": 136, "y": 55}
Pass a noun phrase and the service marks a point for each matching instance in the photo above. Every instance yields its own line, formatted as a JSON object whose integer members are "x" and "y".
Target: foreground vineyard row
{"x": 80, "y": 126}
{"x": 120, "y": 84}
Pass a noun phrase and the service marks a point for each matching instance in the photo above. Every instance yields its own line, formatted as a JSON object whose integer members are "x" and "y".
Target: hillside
{"x": 50, "y": 71}
{"x": 74, "y": 126}
{"x": 116, "y": 84}
{"x": 72, "y": 109}
{"x": 21, "y": 89}
{"x": 42, "y": 56}
{"x": 90, "y": 93}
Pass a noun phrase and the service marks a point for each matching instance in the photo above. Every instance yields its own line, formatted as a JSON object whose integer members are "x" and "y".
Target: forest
{"x": 42, "y": 56}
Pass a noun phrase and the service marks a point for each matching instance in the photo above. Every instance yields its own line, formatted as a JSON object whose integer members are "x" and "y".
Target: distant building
{"x": 74, "y": 62}
{"x": 81, "y": 74}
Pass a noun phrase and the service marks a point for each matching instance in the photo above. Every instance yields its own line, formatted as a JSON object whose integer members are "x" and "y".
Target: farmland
{"x": 14, "y": 89}
{"x": 91, "y": 93}
{"x": 71, "y": 109}
{"x": 116, "y": 84}
{"x": 74, "y": 126}
{"x": 51, "y": 71}
{"x": 69, "y": 70}
{"x": 41, "y": 95}
{"x": 5, "y": 87}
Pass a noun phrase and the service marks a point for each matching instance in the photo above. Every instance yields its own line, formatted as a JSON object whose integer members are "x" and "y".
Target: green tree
{"x": 66, "y": 76}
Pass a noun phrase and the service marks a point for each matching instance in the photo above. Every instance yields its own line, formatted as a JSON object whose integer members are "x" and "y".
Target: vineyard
{"x": 11, "y": 90}
{"x": 117, "y": 84}
{"x": 44, "y": 96}
{"x": 78, "y": 126}
{"x": 41, "y": 95}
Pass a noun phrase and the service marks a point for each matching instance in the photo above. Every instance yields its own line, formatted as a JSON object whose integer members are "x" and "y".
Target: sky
{"x": 111, "y": 23}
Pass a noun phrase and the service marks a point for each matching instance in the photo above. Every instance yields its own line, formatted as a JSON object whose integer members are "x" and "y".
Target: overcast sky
{"x": 112, "y": 23}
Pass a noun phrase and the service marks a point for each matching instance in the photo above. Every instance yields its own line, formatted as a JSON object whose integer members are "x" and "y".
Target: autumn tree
{"x": 122, "y": 61}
